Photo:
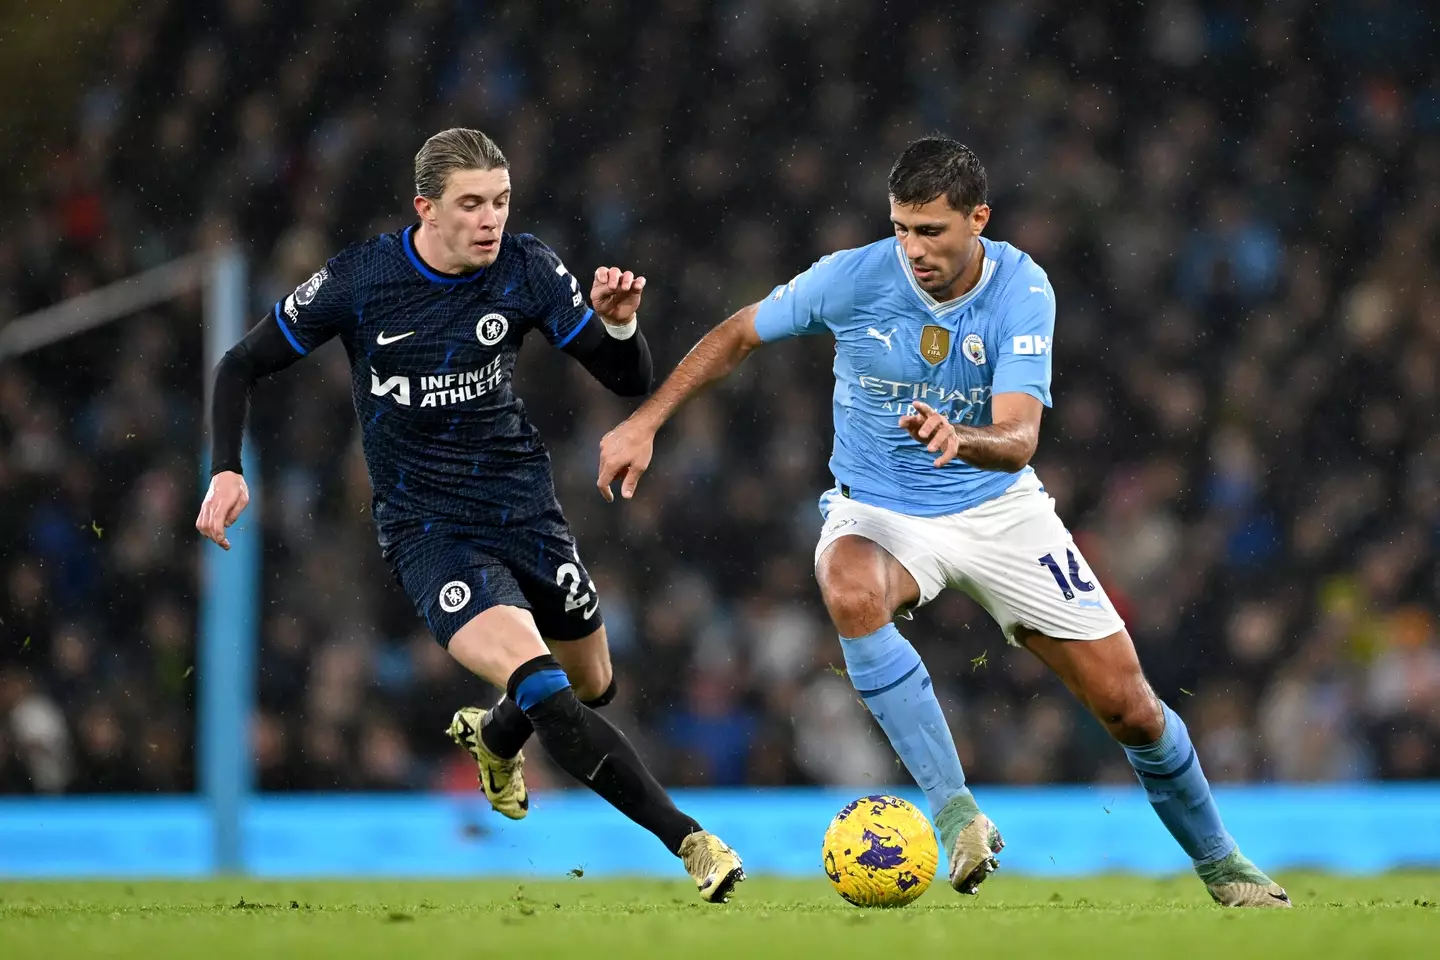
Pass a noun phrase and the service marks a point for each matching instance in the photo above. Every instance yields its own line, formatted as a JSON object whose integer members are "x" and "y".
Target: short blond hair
{"x": 449, "y": 150}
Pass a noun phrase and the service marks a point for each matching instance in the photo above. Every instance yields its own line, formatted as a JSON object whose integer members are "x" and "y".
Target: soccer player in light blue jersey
{"x": 943, "y": 346}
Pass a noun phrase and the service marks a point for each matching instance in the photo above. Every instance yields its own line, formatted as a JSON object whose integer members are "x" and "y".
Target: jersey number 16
{"x": 1075, "y": 578}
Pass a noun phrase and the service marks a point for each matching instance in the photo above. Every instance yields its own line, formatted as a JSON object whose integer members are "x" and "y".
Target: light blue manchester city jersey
{"x": 894, "y": 344}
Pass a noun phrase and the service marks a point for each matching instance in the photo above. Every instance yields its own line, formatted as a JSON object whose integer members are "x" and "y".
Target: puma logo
{"x": 882, "y": 337}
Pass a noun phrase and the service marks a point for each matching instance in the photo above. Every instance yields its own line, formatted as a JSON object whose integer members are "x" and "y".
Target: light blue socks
{"x": 1170, "y": 772}
{"x": 891, "y": 678}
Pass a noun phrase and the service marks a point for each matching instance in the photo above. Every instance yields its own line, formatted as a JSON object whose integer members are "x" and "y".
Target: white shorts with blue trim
{"x": 1013, "y": 555}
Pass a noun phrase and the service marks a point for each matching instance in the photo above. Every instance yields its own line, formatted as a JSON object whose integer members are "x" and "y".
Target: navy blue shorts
{"x": 451, "y": 577}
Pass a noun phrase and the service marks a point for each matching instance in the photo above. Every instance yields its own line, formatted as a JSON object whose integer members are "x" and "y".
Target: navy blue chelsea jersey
{"x": 447, "y": 442}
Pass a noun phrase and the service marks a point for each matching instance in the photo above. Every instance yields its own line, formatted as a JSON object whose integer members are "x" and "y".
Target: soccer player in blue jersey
{"x": 432, "y": 318}
{"x": 942, "y": 367}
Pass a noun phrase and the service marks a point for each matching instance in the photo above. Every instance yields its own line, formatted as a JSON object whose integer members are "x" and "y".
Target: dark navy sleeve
{"x": 319, "y": 308}
{"x": 261, "y": 352}
{"x": 623, "y": 366}
{"x": 560, "y": 310}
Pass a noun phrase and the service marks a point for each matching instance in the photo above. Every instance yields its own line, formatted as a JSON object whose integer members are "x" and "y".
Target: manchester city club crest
{"x": 934, "y": 344}
{"x": 974, "y": 349}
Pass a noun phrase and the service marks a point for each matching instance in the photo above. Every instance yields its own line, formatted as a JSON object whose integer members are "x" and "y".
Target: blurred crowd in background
{"x": 1239, "y": 212}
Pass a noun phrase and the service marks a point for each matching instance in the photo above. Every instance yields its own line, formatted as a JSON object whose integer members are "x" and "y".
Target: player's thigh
{"x": 1017, "y": 559}
{"x": 863, "y": 584}
{"x": 586, "y": 662}
{"x": 906, "y": 566}
{"x": 1106, "y": 677}
{"x": 494, "y": 643}
{"x": 868, "y": 558}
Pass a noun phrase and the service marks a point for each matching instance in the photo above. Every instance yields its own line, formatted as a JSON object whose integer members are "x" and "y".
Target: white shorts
{"x": 1012, "y": 554}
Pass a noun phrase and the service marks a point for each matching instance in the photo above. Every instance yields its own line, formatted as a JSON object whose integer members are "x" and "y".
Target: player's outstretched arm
{"x": 625, "y": 452}
{"x": 263, "y": 351}
{"x": 1007, "y": 444}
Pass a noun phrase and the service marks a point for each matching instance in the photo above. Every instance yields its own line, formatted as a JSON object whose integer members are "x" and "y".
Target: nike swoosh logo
{"x": 591, "y": 612}
{"x": 495, "y": 788}
{"x": 383, "y": 340}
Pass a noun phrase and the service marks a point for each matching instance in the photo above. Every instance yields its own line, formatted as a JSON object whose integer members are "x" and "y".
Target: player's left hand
{"x": 934, "y": 430}
{"x": 615, "y": 295}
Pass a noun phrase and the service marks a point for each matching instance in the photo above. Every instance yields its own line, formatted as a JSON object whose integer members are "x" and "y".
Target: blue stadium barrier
{"x": 120, "y": 837}
{"x": 1052, "y": 830}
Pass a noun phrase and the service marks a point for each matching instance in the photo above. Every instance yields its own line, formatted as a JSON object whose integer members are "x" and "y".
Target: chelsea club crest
{"x": 491, "y": 329}
{"x": 974, "y": 349}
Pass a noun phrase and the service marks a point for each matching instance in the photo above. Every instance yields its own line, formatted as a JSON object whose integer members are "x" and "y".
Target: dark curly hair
{"x": 932, "y": 166}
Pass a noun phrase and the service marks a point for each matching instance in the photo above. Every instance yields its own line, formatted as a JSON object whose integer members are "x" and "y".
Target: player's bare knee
{"x": 856, "y": 610}
{"x": 1134, "y": 718}
{"x": 586, "y": 662}
{"x": 1147, "y": 719}
{"x": 592, "y": 681}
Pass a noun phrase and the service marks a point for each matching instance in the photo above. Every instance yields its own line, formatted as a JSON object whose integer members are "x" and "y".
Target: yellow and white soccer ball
{"x": 880, "y": 852}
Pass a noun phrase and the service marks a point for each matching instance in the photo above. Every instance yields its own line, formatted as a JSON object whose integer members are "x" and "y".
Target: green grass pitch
{"x": 1108, "y": 918}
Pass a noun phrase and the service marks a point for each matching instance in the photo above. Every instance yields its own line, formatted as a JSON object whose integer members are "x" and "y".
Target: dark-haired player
{"x": 432, "y": 318}
{"x": 942, "y": 369}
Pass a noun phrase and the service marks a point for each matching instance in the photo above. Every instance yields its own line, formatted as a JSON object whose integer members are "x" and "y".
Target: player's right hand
{"x": 227, "y": 497}
{"x": 933, "y": 429}
{"x": 625, "y": 454}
